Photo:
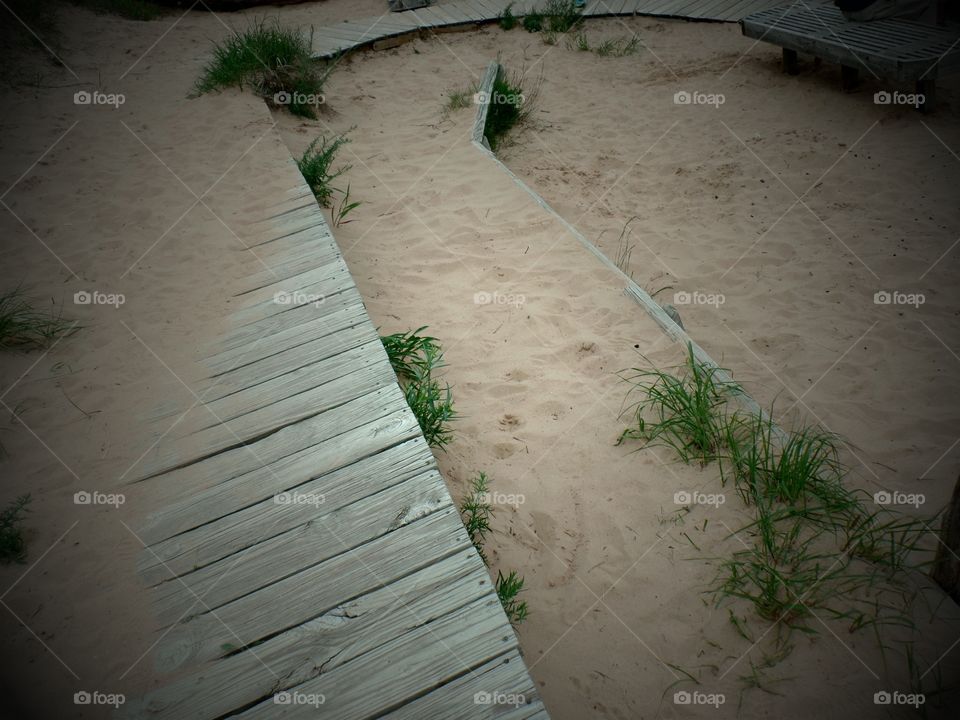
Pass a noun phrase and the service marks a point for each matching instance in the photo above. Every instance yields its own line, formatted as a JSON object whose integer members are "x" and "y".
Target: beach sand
{"x": 534, "y": 327}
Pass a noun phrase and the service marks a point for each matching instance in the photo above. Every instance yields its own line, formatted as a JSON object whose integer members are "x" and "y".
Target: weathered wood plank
{"x": 240, "y": 336}
{"x": 325, "y": 536}
{"x": 313, "y": 287}
{"x": 485, "y": 89}
{"x": 315, "y": 224}
{"x": 470, "y": 10}
{"x": 504, "y": 680}
{"x": 316, "y": 590}
{"x": 596, "y": 8}
{"x": 272, "y": 367}
{"x": 708, "y": 9}
{"x": 370, "y": 28}
{"x": 431, "y": 17}
{"x": 742, "y": 8}
{"x": 218, "y": 688}
{"x": 361, "y": 366}
{"x": 290, "y": 251}
{"x": 492, "y": 9}
{"x": 332, "y": 42}
{"x": 247, "y": 512}
{"x": 432, "y": 655}
{"x": 305, "y": 471}
{"x": 379, "y": 411}
{"x": 456, "y": 15}
{"x": 268, "y": 417}
{"x": 227, "y": 462}
{"x": 280, "y": 264}
{"x": 496, "y": 6}
{"x": 270, "y": 344}
{"x": 424, "y": 20}
{"x": 635, "y": 6}
{"x": 355, "y": 33}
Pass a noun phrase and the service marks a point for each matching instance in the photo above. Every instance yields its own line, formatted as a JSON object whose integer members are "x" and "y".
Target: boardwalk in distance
{"x": 330, "y": 40}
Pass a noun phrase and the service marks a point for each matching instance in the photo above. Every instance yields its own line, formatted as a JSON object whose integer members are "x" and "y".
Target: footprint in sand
{"x": 502, "y": 451}
{"x": 586, "y": 348}
{"x": 509, "y": 422}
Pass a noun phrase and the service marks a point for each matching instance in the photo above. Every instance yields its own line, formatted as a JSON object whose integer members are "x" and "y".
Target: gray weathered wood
{"x": 248, "y": 428}
{"x": 209, "y": 500}
{"x": 245, "y": 512}
{"x": 376, "y": 682}
{"x": 315, "y": 590}
{"x": 256, "y": 348}
{"x": 337, "y": 636}
{"x": 350, "y": 366}
{"x": 242, "y": 335}
{"x": 471, "y": 10}
{"x": 484, "y": 91}
{"x": 502, "y": 677}
{"x": 325, "y": 536}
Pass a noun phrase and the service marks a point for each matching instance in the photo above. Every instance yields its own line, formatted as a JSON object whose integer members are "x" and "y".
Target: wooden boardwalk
{"x": 310, "y": 561}
{"x": 349, "y": 35}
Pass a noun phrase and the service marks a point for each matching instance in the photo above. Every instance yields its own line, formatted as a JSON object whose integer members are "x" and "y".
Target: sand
{"x": 614, "y": 573}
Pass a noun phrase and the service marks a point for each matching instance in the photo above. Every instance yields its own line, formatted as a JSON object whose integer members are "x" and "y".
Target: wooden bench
{"x": 895, "y": 49}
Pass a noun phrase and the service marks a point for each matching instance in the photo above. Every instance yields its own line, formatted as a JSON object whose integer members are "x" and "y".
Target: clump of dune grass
{"x": 689, "y": 410}
{"x": 508, "y": 588}
{"x": 533, "y": 21}
{"x": 799, "y": 568}
{"x": 613, "y": 47}
{"x": 432, "y": 404}
{"x": 798, "y": 466}
{"x": 507, "y": 19}
{"x": 561, "y": 16}
{"x": 415, "y": 358}
{"x": 344, "y": 208}
{"x": 459, "y": 98}
{"x": 407, "y": 352}
{"x": 618, "y": 47}
{"x": 779, "y": 573}
{"x": 579, "y": 41}
{"x": 273, "y": 61}
{"x": 815, "y": 550}
{"x": 510, "y": 105}
{"x": 22, "y": 327}
{"x": 12, "y": 545}
{"x": 316, "y": 166}
{"x": 624, "y": 249}
{"x": 475, "y": 511}
{"x": 557, "y": 17}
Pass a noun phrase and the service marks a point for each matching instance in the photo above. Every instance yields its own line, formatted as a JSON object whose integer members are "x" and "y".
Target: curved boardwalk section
{"x": 310, "y": 561}
{"x": 353, "y": 34}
